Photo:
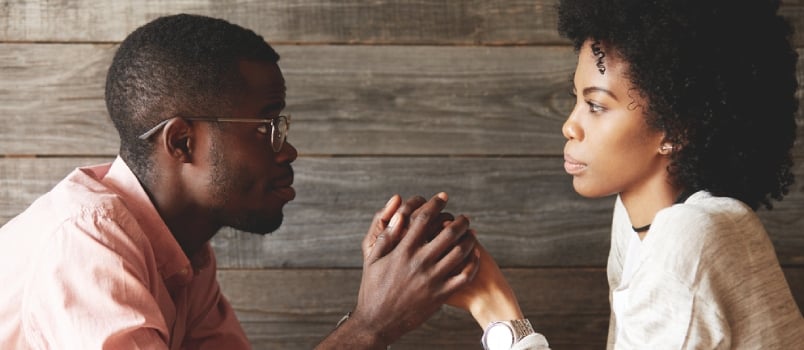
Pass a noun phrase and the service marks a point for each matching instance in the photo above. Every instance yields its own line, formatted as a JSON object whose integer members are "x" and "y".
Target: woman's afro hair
{"x": 720, "y": 80}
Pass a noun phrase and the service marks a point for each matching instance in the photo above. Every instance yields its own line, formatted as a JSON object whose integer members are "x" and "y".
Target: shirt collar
{"x": 171, "y": 261}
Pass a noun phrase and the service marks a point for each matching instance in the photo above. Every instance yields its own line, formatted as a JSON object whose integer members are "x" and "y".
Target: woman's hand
{"x": 488, "y": 297}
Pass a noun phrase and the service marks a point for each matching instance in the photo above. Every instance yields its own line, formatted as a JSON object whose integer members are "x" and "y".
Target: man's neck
{"x": 191, "y": 226}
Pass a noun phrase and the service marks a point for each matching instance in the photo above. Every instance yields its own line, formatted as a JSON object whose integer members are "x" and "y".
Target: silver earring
{"x": 666, "y": 148}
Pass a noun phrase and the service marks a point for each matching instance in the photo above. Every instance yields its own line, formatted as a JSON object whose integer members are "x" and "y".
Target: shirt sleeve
{"x": 213, "y": 324}
{"x": 90, "y": 290}
{"x": 534, "y": 341}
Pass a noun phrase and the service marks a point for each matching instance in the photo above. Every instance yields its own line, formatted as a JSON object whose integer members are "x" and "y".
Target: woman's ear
{"x": 669, "y": 146}
{"x": 666, "y": 148}
{"x": 177, "y": 140}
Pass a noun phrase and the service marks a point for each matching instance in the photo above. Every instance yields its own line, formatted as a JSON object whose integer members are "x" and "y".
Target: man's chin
{"x": 257, "y": 225}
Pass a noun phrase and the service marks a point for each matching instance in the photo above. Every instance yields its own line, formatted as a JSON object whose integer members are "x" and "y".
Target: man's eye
{"x": 263, "y": 129}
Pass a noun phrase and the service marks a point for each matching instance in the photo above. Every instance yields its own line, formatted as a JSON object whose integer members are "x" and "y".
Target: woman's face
{"x": 610, "y": 148}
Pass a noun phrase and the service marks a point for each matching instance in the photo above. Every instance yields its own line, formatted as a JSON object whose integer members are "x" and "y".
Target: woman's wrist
{"x": 498, "y": 306}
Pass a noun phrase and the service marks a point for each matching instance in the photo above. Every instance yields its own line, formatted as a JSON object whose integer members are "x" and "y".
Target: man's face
{"x": 249, "y": 183}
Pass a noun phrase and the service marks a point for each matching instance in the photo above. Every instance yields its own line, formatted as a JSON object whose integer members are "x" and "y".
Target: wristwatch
{"x": 502, "y": 335}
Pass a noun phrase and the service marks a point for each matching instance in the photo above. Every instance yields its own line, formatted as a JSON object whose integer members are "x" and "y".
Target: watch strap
{"x": 521, "y": 328}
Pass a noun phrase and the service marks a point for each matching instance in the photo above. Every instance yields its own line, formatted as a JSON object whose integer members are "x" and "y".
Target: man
{"x": 117, "y": 256}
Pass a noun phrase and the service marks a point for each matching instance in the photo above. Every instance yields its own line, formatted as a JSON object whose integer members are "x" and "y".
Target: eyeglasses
{"x": 277, "y": 127}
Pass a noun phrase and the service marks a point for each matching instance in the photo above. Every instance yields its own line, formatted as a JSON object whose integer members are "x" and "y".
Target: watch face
{"x": 499, "y": 337}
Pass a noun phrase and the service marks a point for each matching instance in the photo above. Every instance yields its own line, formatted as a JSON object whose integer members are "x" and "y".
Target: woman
{"x": 685, "y": 110}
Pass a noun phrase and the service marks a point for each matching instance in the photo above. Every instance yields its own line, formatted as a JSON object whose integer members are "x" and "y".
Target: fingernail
{"x": 394, "y": 220}
{"x": 443, "y": 195}
{"x": 390, "y": 201}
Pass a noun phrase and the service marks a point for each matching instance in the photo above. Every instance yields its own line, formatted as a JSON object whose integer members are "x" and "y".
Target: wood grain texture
{"x": 493, "y": 22}
{"x": 524, "y": 209}
{"x": 346, "y": 100}
{"x": 294, "y": 309}
{"x": 452, "y": 22}
{"x": 466, "y": 97}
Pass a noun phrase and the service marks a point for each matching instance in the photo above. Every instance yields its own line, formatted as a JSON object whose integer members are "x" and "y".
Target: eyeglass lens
{"x": 279, "y": 130}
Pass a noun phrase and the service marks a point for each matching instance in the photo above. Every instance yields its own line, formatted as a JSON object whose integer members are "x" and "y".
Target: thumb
{"x": 386, "y": 241}
{"x": 379, "y": 222}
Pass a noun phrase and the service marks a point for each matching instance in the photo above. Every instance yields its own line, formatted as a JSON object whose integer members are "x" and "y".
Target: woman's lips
{"x": 572, "y": 166}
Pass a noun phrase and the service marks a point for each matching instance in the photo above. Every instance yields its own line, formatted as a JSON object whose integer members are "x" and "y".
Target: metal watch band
{"x": 520, "y": 328}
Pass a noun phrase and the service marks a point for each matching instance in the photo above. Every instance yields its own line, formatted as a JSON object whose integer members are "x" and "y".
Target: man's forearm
{"x": 351, "y": 335}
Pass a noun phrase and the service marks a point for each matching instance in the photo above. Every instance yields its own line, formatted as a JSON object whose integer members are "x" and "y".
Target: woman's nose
{"x": 571, "y": 129}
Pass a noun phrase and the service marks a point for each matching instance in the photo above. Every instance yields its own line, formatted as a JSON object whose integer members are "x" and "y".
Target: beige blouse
{"x": 707, "y": 277}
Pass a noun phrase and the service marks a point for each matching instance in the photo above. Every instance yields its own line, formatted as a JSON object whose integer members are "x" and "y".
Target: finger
{"x": 439, "y": 223}
{"x": 422, "y": 218}
{"x": 387, "y": 240}
{"x": 473, "y": 263}
{"x": 380, "y": 221}
{"x": 412, "y": 205}
{"x": 469, "y": 268}
{"x": 470, "y": 264}
{"x": 447, "y": 238}
{"x": 453, "y": 256}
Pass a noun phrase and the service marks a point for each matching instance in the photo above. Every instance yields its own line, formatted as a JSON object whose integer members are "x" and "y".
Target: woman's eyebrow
{"x": 593, "y": 89}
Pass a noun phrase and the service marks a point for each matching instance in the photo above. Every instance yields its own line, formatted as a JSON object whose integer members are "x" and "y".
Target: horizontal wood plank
{"x": 524, "y": 209}
{"x": 294, "y": 309}
{"x": 453, "y": 22}
{"x": 365, "y": 22}
{"x": 345, "y": 100}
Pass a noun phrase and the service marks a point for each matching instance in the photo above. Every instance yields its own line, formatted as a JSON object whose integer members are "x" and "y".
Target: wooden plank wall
{"x": 409, "y": 97}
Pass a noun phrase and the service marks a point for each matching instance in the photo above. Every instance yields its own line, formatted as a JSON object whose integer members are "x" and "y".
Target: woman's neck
{"x": 642, "y": 204}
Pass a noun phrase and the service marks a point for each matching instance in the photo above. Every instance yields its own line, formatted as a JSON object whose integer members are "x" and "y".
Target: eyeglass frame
{"x": 275, "y": 127}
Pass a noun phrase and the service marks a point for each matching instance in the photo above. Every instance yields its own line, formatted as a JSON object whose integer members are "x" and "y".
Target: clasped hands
{"x": 417, "y": 258}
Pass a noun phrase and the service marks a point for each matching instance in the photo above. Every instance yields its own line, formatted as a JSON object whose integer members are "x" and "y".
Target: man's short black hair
{"x": 720, "y": 80}
{"x": 172, "y": 66}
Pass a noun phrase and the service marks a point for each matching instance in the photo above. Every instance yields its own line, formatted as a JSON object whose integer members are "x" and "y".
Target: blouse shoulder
{"x": 706, "y": 233}
{"x": 708, "y": 220}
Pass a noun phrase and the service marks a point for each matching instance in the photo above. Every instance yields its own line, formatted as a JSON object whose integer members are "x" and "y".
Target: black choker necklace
{"x": 681, "y": 199}
{"x": 641, "y": 228}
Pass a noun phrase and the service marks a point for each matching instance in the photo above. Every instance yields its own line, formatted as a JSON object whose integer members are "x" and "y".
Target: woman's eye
{"x": 263, "y": 129}
{"x": 595, "y": 108}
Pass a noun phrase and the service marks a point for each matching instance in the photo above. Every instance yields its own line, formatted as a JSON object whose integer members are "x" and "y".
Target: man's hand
{"x": 415, "y": 257}
{"x": 383, "y": 217}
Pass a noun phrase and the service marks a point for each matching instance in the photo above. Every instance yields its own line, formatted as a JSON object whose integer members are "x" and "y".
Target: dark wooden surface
{"x": 408, "y": 97}
{"x": 570, "y": 305}
{"x": 524, "y": 209}
{"x": 453, "y": 22}
{"x": 346, "y": 100}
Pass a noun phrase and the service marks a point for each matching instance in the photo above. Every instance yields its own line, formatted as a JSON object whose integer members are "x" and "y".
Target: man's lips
{"x": 282, "y": 187}
{"x": 286, "y": 193}
{"x": 572, "y": 166}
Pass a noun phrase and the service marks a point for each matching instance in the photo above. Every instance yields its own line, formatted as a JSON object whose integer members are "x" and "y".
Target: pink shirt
{"x": 91, "y": 265}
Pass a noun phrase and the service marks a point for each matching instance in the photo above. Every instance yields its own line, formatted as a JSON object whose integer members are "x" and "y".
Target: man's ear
{"x": 177, "y": 140}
